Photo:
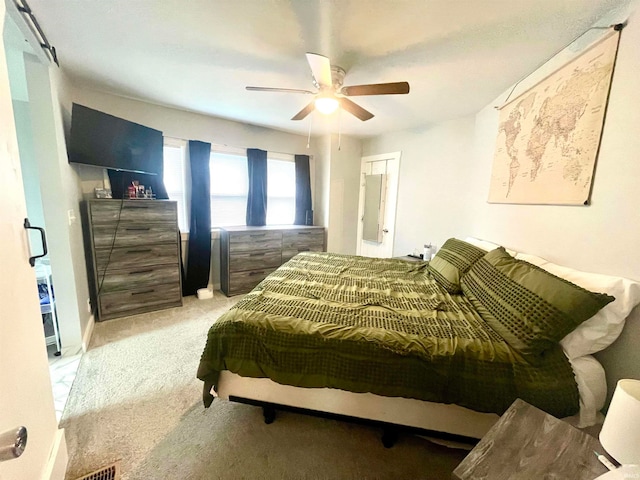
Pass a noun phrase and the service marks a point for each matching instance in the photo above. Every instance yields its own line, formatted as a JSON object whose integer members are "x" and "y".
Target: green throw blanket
{"x": 382, "y": 326}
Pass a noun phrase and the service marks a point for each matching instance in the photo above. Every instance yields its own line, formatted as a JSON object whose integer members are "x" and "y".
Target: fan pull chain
{"x": 309, "y": 136}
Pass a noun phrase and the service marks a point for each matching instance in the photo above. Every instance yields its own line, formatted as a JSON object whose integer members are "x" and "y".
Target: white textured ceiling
{"x": 457, "y": 55}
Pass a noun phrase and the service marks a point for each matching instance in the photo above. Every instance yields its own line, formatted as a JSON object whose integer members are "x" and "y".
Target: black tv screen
{"x": 102, "y": 140}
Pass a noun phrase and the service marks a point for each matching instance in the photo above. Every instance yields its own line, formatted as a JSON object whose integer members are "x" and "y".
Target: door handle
{"x": 385, "y": 231}
{"x": 27, "y": 225}
{"x": 12, "y": 443}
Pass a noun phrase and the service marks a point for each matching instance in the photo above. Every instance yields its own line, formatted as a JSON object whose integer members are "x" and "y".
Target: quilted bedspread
{"x": 382, "y": 326}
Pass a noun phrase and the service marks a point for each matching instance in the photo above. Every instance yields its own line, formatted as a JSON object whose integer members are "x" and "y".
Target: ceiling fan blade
{"x": 271, "y": 89}
{"x": 321, "y": 69}
{"x": 304, "y": 112}
{"x": 376, "y": 89}
{"x": 355, "y": 109}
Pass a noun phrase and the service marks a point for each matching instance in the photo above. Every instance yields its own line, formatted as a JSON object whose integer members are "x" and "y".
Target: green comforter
{"x": 382, "y": 326}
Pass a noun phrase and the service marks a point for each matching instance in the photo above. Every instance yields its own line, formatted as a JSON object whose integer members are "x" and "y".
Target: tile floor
{"x": 63, "y": 372}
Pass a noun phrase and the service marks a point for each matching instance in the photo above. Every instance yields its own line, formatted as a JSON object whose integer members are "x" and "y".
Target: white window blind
{"x": 281, "y": 192}
{"x": 229, "y": 189}
{"x": 174, "y": 179}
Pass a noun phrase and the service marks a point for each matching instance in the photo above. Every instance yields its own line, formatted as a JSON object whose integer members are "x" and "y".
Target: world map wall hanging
{"x": 549, "y": 136}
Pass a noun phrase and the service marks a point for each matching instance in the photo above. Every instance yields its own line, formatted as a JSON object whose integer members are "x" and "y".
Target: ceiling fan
{"x": 328, "y": 79}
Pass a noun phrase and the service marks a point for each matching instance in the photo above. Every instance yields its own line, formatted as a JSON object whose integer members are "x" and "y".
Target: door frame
{"x": 392, "y": 171}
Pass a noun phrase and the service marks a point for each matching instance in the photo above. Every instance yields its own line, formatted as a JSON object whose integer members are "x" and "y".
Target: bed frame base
{"x": 390, "y": 431}
{"x": 436, "y": 420}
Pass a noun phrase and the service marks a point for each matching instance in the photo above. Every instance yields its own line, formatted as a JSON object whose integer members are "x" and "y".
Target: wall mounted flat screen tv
{"x": 102, "y": 140}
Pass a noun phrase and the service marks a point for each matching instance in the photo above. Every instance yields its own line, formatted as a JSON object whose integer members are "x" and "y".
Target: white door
{"x": 25, "y": 390}
{"x": 387, "y": 165}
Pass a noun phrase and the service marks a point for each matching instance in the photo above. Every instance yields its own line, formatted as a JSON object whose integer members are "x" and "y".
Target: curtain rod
{"x": 233, "y": 147}
{"x": 617, "y": 27}
{"x": 23, "y": 7}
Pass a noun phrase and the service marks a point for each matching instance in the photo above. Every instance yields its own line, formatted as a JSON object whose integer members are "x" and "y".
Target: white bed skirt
{"x": 409, "y": 412}
{"x": 437, "y": 417}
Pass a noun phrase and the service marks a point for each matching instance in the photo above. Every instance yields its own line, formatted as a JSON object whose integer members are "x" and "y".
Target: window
{"x": 229, "y": 189}
{"x": 173, "y": 177}
{"x": 281, "y": 192}
{"x": 230, "y": 185}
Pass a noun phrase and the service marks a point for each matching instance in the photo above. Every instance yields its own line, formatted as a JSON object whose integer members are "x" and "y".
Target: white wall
{"x": 444, "y": 182}
{"x": 344, "y": 175}
{"x": 29, "y": 164}
{"x": 436, "y": 170}
{"x": 322, "y": 181}
{"x": 58, "y": 190}
{"x": 604, "y": 235}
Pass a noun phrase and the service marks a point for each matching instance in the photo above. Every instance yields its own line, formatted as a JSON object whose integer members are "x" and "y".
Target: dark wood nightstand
{"x": 527, "y": 443}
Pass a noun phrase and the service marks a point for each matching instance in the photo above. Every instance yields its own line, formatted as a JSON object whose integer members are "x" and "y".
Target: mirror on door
{"x": 373, "y": 216}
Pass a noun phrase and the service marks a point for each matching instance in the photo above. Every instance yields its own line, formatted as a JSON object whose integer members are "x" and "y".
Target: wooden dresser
{"x": 134, "y": 248}
{"x": 249, "y": 254}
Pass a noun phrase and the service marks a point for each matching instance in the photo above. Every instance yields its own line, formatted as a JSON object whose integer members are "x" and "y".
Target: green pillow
{"x": 451, "y": 262}
{"x": 528, "y": 306}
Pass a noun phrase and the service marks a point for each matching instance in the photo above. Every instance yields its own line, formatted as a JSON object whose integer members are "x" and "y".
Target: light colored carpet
{"x": 136, "y": 399}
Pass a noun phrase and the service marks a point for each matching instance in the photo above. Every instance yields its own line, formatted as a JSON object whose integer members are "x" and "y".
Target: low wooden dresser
{"x": 134, "y": 249}
{"x": 249, "y": 254}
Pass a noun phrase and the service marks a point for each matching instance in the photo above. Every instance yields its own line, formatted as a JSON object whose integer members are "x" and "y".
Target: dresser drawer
{"x": 254, "y": 260}
{"x": 132, "y": 235}
{"x": 302, "y": 238}
{"x": 292, "y": 252}
{"x": 243, "y": 282}
{"x": 135, "y": 257}
{"x": 119, "y": 280}
{"x": 133, "y": 211}
{"x": 256, "y": 240}
{"x": 139, "y": 300}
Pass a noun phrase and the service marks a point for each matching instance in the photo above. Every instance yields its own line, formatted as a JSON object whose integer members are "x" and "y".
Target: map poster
{"x": 548, "y": 137}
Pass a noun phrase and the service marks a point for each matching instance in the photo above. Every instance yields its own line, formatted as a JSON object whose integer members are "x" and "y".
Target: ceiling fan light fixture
{"x": 326, "y": 104}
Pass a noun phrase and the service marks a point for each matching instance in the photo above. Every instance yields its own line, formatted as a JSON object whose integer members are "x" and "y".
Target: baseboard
{"x": 86, "y": 338}
{"x": 58, "y": 459}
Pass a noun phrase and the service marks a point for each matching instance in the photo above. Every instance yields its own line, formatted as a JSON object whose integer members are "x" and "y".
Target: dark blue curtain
{"x": 257, "y": 198}
{"x": 303, "y": 191}
{"x": 199, "y": 252}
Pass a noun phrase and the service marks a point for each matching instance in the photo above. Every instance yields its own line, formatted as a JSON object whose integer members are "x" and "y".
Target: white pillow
{"x": 601, "y": 330}
{"x": 486, "y": 245}
{"x": 592, "y": 388}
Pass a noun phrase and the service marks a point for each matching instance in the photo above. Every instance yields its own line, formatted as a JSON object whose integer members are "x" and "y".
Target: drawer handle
{"x": 304, "y": 233}
{"x": 141, "y": 271}
{"x": 131, "y": 205}
{"x": 144, "y": 250}
{"x": 143, "y": 292}
{"x": 256, "y": 235}
{"x": 303, "y": 249}
{"x": 261, "y": 272}
{"x": 257, "y": 254}
{"x": 135, "y": 229}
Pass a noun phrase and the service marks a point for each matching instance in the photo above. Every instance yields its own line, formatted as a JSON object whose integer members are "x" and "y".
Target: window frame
{"x": 229, "y": 150}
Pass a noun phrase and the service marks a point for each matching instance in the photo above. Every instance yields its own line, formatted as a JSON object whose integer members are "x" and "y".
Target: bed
{"x": 427, "y": 345}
